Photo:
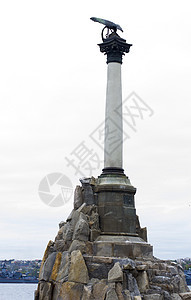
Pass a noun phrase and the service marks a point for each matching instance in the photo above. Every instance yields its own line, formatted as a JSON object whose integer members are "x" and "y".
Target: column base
{"x": 115, "y": 198}
{"x": 112, "y": 170}
{"x": 113, "y": 179}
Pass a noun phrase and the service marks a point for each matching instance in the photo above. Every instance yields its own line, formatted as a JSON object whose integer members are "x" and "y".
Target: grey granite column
{"x": 114, "y": 47}
{"x": 113, "y": 148}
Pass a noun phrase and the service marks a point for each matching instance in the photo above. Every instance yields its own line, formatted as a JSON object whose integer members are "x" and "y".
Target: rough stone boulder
{"x": 78, "y": 271}
{"x": 78, "y": 197}
{"x": 81, "y": 230}
{"x": 46, "y": 270}
{"x": 115, "y": 274}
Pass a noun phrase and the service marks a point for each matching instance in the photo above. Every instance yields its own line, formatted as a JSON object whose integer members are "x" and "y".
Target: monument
{"x": 101, "y": 252}
{"x": 115, "y": 193}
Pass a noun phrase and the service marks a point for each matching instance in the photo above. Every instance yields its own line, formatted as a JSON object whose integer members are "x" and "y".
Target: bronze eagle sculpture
{"x": 107, "y": 24}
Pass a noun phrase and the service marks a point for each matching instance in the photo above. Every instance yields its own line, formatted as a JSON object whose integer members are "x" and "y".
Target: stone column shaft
{"x": 113, "y": 147}
{"x": 114, "y": 47}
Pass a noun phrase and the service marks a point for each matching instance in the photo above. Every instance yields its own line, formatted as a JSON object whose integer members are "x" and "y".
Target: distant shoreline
{"x": 9, "y": 280}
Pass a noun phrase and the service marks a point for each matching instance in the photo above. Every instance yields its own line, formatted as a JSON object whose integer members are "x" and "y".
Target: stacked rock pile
{"x": 71, "y": 270}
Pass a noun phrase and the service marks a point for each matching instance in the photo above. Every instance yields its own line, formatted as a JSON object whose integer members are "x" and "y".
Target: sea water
{"x": 17, "y": 291}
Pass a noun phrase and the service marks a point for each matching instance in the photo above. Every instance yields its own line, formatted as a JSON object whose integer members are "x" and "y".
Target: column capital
{"x": 114, "y": 47}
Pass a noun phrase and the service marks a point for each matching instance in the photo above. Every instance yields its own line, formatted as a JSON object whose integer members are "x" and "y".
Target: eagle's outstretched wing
{"x": 107, "y": 23}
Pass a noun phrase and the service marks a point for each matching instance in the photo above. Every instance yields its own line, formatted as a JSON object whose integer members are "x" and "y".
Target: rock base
{"x": 84, "y": 263}
{"x": 66, "y": 276}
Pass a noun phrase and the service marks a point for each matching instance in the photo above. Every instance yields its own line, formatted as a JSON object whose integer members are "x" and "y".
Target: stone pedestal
{"x": 116, "y": 204}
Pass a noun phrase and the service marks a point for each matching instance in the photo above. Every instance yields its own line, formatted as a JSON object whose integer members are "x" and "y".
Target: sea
{"x": 19, "y": 291}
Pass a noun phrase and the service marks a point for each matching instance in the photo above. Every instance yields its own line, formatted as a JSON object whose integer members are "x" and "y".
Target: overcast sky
{"x": 52, "y": 97}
